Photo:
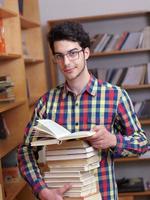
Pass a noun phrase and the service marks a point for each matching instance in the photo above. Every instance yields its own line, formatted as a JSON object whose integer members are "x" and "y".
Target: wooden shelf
{"x": 103, "y": 17}
{"x": 33, "y": 60}
{"x": 6, "y": 13}
{"x": 130, "y": 159}
{"x": 26, "y": 23}
{"x": 10, "y": 105}
{"x": 145, "y": 121}
{"x": 134, "y": 87}
{"x": 119, "y": 52}
{"x": 12, "y": 190}
{"x": 7, "y": 145}
{"x": 7, "y": 56}
{"x": 145, "y": 193}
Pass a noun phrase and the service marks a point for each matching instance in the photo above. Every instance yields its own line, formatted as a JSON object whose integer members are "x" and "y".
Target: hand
{"x": 54, "y": 194}
{"x": 102, "y": 139}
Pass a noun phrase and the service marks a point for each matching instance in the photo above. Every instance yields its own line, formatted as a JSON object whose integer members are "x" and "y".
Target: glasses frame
{"x": 59, "y": 57}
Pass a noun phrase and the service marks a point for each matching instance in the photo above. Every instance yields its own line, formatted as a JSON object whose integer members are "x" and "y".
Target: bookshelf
{"x": 22, "y": 70}
{"x": 114, "y": 24}
{"x": 34, "y": 62}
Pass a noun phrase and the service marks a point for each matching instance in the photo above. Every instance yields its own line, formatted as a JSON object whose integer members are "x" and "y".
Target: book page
{"x": 77, "y": 135}
{"x": 57, "y": 130}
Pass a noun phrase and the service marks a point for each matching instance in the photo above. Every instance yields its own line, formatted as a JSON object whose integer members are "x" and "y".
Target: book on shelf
{"x": 100, "y": 43}
{"x": 20, "y": 4}
{"x": 135, "y": 75}
{"x": 2, "y": 38}
{"x": 4, "y": 131}
{"x": 54, "y": 130}
{"x": 132, "y": 41}
{"x": 147, "y": 79}
{"x": 144, "y": 111}
{"x": 95, "y": 40}
{"x": 117, "y": 76}
{"x": 11, "y": 175}
{"x": 146, "y": 37}
{"x": 6, "y": 88}
{"x": 112, "y": 43}
{"x": 103, "y": 46}
{"x": 121, "y": 40}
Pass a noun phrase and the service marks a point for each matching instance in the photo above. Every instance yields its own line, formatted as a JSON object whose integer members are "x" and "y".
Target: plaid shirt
{"x": 99, "y": 104}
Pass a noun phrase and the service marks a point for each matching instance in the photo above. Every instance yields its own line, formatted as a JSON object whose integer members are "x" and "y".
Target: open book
{"x": 48, "y": 128}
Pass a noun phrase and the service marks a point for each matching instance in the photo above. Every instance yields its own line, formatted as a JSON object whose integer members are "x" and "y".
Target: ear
{"x": 86, "y": 52}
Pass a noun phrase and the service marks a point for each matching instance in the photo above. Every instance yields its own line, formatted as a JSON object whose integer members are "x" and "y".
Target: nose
{"x": 66, "y": 60}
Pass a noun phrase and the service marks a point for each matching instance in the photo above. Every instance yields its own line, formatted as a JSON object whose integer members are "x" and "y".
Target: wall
{"x": 57, "y": 9}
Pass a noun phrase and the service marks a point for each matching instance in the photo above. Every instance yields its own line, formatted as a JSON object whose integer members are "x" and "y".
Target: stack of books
{"x": 71, "y": 161}
{"x": 6, "y": 89}
{"x": 74, "y": 162}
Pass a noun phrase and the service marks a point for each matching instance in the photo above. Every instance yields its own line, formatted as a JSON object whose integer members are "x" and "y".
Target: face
{"x": 71, "y": 58}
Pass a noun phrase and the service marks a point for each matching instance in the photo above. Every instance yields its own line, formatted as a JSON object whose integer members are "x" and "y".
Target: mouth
{"x": 68, "y": 70}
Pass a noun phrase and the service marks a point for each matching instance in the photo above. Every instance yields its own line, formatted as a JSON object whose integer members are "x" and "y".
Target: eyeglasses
{"x": 71, "y": 55}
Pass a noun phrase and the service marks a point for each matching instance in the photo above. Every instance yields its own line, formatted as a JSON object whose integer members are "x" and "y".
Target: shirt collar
{"x": 91, "y": 87}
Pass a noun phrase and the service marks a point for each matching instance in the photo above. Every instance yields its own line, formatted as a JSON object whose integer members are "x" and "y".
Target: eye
{"x": 73, "y": 53}
{"x": 58, "y": 56}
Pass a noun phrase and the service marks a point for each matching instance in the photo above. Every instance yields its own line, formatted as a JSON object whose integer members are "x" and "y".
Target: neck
{"x": 78, "y": 84}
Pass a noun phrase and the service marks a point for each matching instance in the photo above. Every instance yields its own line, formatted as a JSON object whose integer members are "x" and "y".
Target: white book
{"x": 88, "y": 167}
{"x": 105, "y": 43}
{"x": 132, "y": 41}
{"x": 148, "y": 73}
{"x": 56, "y": 131}
{"x": 146, "y": 37}
{"x": 117, "y": 76}
{"x": 134, "y": 75}
{"x": 69, "y": 151}
{"x": 100, "y": 43}
{"x": 78, "y": 184}
{"x": 111, "y": 45}
{"x": 58, "y": 174}
{"x": 49, "y": 179}
{"x": 71, "y": 156}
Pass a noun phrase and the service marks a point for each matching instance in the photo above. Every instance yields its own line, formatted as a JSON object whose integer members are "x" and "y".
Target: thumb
{"x": 64, "y": 189}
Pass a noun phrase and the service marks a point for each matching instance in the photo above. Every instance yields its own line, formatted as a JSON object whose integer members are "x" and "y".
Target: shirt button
{"x": 77, "y": 104}
{"x": 77, "y": 123}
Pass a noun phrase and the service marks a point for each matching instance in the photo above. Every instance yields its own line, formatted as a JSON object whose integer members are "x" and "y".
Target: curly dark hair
{"x": 69, "y": 30}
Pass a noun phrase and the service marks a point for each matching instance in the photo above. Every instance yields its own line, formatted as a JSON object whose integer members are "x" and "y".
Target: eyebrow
{"x": 67, "y": 51}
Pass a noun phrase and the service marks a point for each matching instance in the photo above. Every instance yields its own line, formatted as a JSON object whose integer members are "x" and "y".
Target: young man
{"x": 83, "y": 103}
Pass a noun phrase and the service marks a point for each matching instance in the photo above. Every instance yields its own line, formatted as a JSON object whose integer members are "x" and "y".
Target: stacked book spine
{"x": 76, "y": 163}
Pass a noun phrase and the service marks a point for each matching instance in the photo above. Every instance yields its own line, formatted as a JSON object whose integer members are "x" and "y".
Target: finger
{"x": 64, "y": 189}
